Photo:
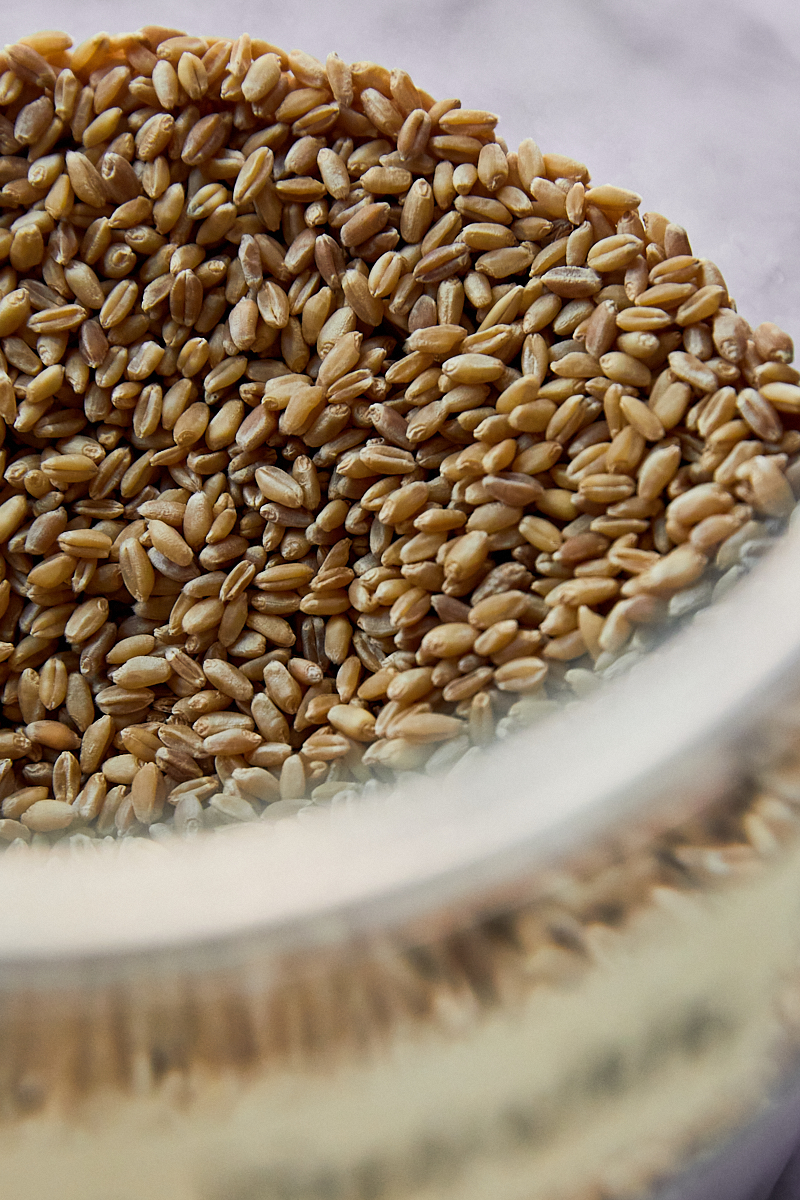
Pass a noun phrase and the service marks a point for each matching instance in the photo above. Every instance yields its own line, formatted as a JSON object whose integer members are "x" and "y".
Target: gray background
{"x": 693, "y": 103}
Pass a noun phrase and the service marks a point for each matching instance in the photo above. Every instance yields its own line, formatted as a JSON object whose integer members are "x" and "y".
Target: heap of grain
{"x": 335, "y": 435}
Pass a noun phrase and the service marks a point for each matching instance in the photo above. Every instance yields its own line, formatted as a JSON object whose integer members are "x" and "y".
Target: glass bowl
{"x": 567, "y": 970}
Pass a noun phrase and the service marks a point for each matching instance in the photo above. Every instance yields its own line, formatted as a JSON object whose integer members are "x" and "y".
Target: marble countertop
{"x": 694, "y": 105}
